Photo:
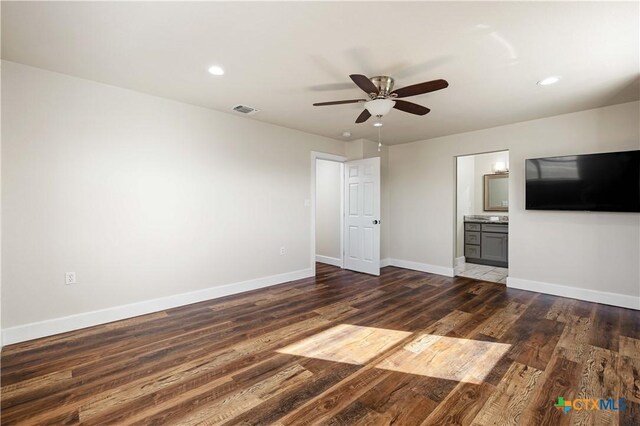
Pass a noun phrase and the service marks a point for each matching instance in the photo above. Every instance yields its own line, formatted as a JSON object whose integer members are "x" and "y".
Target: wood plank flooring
{"x": 342, "y": 348}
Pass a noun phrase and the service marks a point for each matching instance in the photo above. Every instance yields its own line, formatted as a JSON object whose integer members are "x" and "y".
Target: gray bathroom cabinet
{"x": 486, "y": 243}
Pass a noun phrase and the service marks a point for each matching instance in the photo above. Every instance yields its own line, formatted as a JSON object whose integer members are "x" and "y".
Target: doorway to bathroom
{"x": 482, "y": 216}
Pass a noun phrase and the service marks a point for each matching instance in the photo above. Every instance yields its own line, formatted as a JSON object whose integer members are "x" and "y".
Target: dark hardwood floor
{"x": 342, "y": 348}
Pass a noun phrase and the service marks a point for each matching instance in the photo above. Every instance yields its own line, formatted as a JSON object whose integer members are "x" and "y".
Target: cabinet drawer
{"x": 472, "y": 251}
{"x": 471, "y": 237}
{"x": 487, "y": 227}
{"x": 471, "y": 226}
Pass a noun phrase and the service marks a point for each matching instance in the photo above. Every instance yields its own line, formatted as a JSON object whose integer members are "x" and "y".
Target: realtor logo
{"x": 563, "y": 405}
{"x": 590, "y": 404}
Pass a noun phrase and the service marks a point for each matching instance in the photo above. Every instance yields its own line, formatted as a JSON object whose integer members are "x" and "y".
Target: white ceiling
{"x": 282, "y": 57}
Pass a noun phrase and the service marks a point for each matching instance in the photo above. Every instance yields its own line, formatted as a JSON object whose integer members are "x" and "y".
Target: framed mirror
{"x": 496, "y": 192}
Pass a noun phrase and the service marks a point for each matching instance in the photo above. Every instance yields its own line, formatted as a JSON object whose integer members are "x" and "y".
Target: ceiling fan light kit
{"x": 379, "y": 107}
{"x": 382, "y": 97}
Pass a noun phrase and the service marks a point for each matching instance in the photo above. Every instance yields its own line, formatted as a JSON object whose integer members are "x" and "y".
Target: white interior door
{"x": 362, "y": 216}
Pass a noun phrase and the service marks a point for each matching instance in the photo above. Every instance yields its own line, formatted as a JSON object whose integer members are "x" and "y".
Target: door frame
{"x": 316, "y": 155}
{"x": 455, "y": 201}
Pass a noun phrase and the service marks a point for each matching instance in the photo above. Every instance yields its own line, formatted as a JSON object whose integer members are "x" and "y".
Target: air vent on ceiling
{"x": 243, "y": 109}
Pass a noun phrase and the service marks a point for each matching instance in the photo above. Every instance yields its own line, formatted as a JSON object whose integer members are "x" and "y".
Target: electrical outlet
{"x": 283, "y": 251}
{"x": 307, "y": 203}
{"x": 70, "y": 278}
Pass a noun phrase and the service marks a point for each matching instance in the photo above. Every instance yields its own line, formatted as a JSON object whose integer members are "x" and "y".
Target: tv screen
{"x": 608, "y": 182}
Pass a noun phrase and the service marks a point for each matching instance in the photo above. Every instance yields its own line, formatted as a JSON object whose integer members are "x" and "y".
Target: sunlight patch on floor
{"x": 447, "y": 358}
{"x": 462, "y": 360}
{"x": 350, "y": 344}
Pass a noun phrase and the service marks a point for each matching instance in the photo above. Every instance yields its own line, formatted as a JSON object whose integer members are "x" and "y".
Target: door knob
{"x": 375, "y": 222}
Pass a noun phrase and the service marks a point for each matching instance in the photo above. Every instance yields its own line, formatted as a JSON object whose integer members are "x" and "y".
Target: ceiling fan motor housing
{"x": 384, "y": 84}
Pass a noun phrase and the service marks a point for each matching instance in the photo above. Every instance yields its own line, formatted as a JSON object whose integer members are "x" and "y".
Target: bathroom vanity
{"x": 486, "y": 241}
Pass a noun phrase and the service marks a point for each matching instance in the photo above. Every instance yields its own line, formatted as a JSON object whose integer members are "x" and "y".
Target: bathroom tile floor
{"x": 483, "y": 272}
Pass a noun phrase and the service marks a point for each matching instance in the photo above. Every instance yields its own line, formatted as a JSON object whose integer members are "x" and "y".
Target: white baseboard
{"x": 384, "y": 262}
{"x": 422, "y": 267}
{"x": 329, "y": 260}
{"x": 88, "y": 319}
{"x": 614, "y": 299}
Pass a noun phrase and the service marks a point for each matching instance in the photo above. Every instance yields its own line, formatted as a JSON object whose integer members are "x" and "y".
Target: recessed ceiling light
{"x": 377, "y": 124}
{"x": 216, "y": 70}
{"x": 549, "y": 80}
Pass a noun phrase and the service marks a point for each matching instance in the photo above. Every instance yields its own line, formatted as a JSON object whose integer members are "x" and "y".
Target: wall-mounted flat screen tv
{"x": 608, "y": 182}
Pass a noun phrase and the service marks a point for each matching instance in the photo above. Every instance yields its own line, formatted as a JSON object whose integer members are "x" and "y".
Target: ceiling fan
{"x": 382, "y": 97}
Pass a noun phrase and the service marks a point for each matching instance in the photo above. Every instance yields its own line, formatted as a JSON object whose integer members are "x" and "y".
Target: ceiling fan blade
{"x": 420, "y": 88}
{"x": 364, "y": 116}
{"x": 411, "y": 108}
{"x": 350, "y": 101}
{"x": 364, "y": 83}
